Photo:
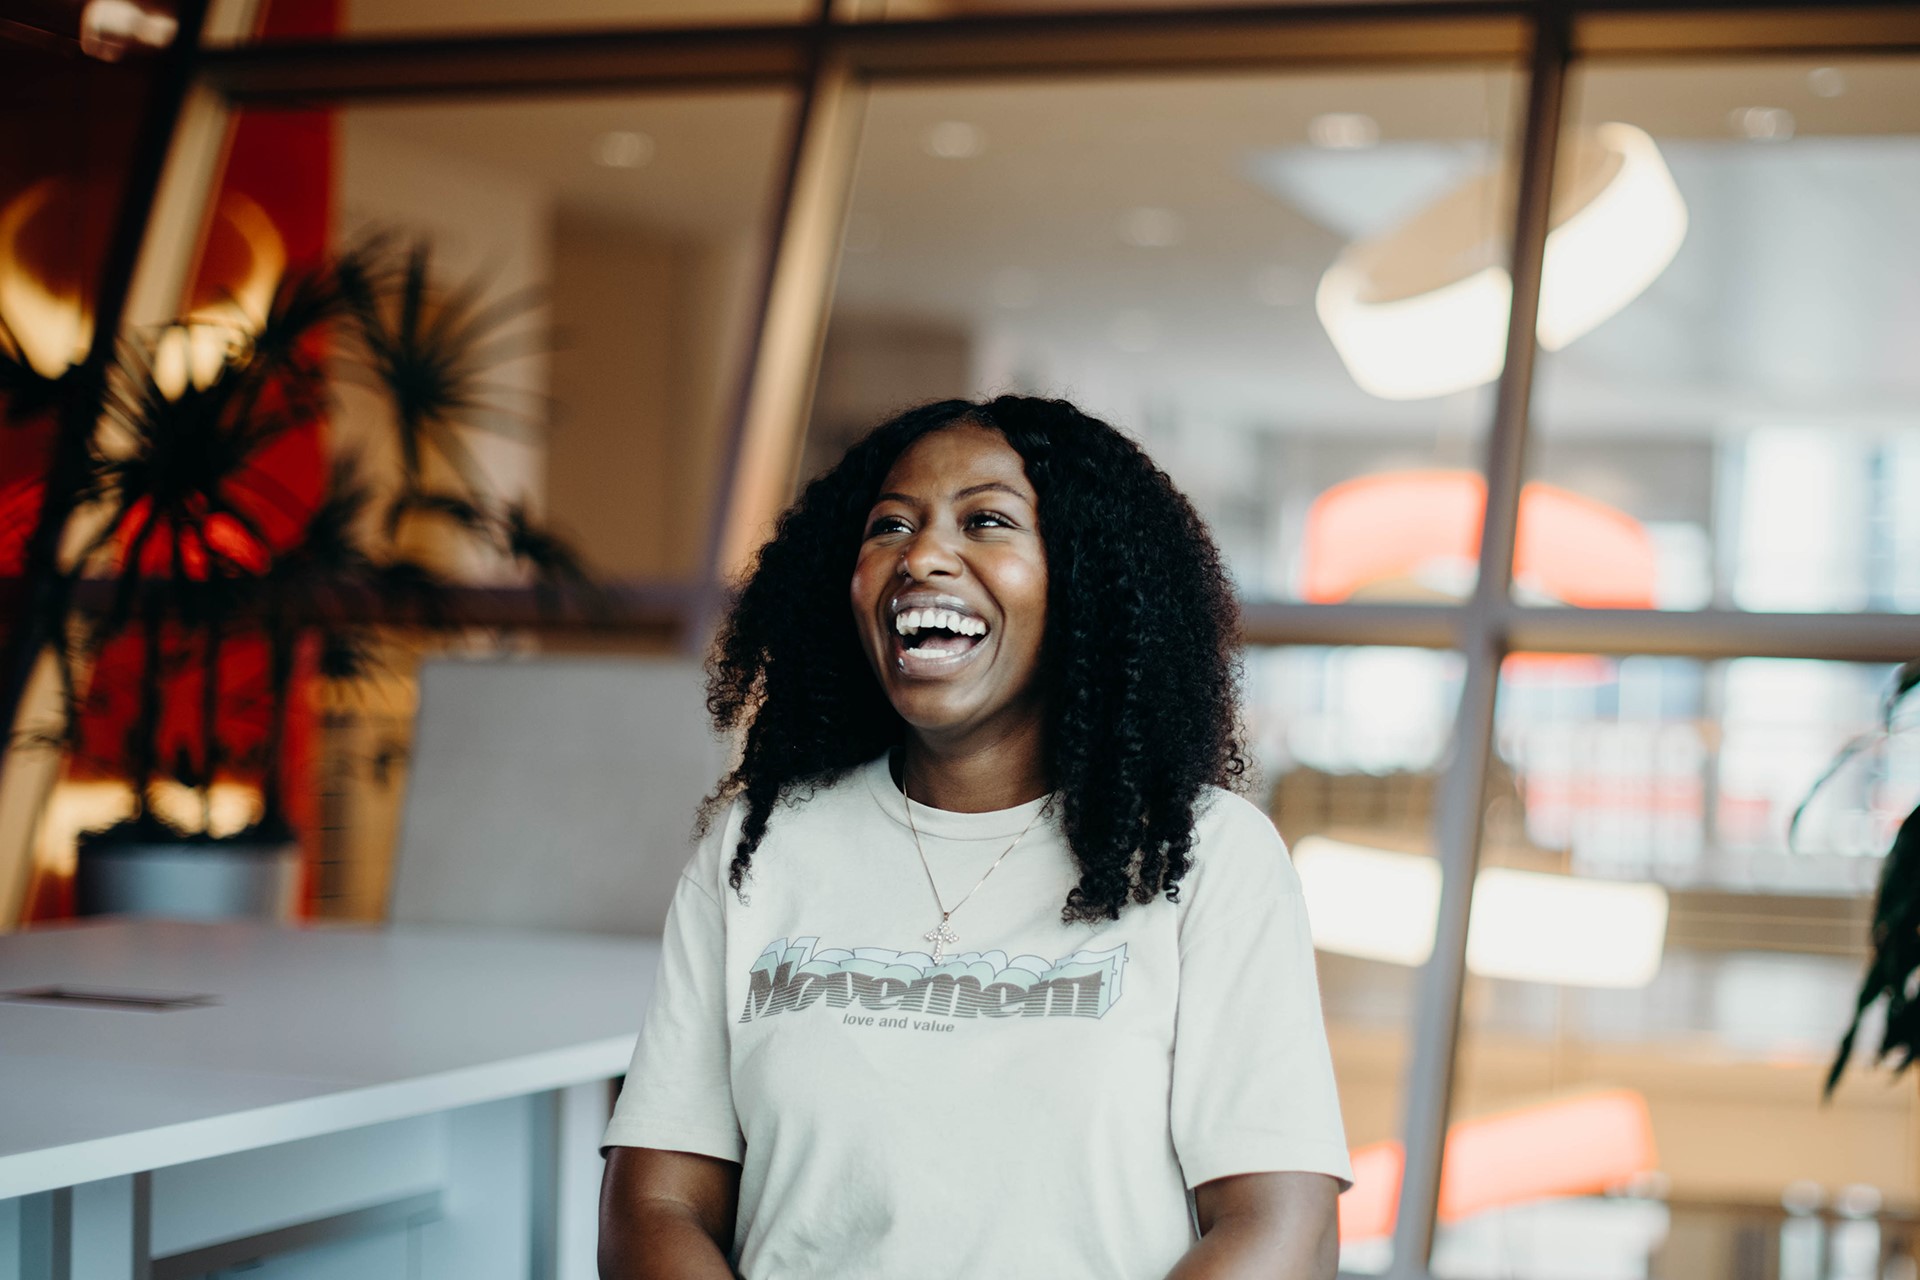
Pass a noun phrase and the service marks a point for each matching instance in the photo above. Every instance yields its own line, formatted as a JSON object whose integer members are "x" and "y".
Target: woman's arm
{"x": 666, "y": 1215}
{"x": 1264, "y": 1226}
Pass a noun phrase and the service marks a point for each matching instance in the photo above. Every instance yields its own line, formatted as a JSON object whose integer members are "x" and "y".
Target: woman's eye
{"x": 989, "y": 518}
{"x": 886, "y": 524}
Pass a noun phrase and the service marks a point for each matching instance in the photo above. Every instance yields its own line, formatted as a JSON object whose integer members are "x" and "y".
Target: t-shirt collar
{"x": 1000, "y": 824}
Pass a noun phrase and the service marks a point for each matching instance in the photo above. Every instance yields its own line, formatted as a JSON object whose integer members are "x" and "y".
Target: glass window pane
{"x": 1153, "y": 249}
{"x": 640, "y": 224}
{"x": 1725, "y": 415}
{"x": 1348, "y": 742}
{"x": 1657, "y": 982}
{"x": 635, "y": 226}
{"x": 612, "y": 248}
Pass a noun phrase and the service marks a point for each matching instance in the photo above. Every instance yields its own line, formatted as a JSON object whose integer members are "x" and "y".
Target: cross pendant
{"x": 940, "y": 935}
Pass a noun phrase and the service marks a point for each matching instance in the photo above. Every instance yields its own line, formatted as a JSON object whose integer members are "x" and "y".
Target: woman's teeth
{"x": 915, "y": 621}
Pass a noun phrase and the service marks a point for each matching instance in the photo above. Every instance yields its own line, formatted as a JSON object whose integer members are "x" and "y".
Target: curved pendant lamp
{"x": 1422, "y": 310}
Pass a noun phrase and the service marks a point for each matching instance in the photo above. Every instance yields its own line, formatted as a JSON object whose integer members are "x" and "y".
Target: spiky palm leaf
{"x": 1896, "y": 957}
{"x": 419, "y": 590}
{"x": 429, "y": 350}
{"x": 27, "y": 394}
{"x": 1891, "y": 974}
{"x": 464, "y": 512}
{"x": 329, "y": 561}
{"x": 187, "y": 475}
{"x": 187, "y": 502}
{"x": 559, "y": 569}
{"x": 182, "y": 466}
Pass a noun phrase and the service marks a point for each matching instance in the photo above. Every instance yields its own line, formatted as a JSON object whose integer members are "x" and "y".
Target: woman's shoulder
{"x": 825, "y": 801}
{"x": 1239, "y": 857}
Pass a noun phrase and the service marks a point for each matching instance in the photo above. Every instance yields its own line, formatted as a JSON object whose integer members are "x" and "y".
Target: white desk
{"x": 419, "y": 1102}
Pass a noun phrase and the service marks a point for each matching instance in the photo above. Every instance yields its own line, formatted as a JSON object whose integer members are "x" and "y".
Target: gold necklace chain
{"x": 942, "y": 934}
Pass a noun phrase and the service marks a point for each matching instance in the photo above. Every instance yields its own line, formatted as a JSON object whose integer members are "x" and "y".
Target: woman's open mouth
{"x": 932, "y": 641}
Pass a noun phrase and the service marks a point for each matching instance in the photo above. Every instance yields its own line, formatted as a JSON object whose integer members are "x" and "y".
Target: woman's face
{"x": 950, "y": 589}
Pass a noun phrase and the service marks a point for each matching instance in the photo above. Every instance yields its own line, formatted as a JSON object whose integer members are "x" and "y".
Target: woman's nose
{"x": 928, "y": 555}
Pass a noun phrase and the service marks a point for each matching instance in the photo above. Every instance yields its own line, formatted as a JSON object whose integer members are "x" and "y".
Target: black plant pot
{"x": 188, "y": 881}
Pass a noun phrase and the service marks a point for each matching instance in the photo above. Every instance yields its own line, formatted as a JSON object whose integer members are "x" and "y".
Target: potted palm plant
{"x": 189, "y": 519}
{"x": 206, "y": 549}
{"x": 1893, "y": 973}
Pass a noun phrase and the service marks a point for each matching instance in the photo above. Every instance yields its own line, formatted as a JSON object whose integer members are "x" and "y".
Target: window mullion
{"x": 1458, "y": 808}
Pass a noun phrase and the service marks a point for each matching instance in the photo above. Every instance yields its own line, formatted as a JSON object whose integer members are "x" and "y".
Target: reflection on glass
{"x": 1158, "y": 265}
{"x": 1688, "y": 773}
{"x": 1752, "y": 411}
{"x": 615, "y": 242}
{"x": 1421, "y": 309}
{"x": 1348, "y": 741}
{"x": 1678, "y": 777}
{"x": 632, "y": 228}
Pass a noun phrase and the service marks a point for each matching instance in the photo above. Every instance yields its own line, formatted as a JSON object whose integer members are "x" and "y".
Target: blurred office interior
{"x": 1281, "y": 246}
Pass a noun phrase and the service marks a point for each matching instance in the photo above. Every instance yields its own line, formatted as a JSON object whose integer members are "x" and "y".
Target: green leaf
{"x": 1904, "y": 682}
{"x": 1891, "y": 974}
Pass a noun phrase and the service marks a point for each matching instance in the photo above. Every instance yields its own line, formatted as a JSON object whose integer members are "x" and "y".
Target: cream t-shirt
{"x": 1038, "y": 1103}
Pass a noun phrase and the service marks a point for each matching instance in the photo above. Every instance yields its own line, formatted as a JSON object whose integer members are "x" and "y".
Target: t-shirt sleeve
{"x": 1253, "y": 1086}
{"x": 679, "y": 1092}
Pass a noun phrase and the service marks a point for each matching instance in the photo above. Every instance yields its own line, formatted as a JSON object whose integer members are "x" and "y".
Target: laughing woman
{"x": 979, "y": 970}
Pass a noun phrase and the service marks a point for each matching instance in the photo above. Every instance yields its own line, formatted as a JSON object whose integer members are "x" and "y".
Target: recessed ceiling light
{"x": 1014, "y": 288}
{"x": 1762, "y": 124}
{"x": 953, "y": 140}
{"x": 1149, "y": 227}
{"x": 623, "y": 149}
{"x": 1343, "y": 131}
{"x": 108, "y": 28}
{"x": 1826, "y": 82}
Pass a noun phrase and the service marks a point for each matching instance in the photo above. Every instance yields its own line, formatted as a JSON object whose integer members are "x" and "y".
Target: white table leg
{"x": 95, "y": 1231}
{"x": 45, "y": 1235}
{"x": 112, "y": 1224}
{"x": 583, "y": 1113}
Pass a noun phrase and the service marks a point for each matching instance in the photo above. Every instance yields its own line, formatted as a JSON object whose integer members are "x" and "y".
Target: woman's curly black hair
{"x": 1139, "y": 660}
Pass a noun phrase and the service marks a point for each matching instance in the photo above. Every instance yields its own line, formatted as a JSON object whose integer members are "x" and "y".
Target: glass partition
{"x": 1348, "y": 742}
{"x": 1726, "y": 411}
{"x": 590, "y": 267}
{"x": 1658, "y": 979}
{"x": 1182, "y": 256}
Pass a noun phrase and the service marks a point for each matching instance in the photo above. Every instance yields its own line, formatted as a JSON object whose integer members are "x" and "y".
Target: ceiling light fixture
{"x": 109, "y": 28}
{"x": 623, "y": 149}
{"x": 1343, "y": 131}
{"x": 953, "y": 140}
{"x": 1422, "y": 310}
{"x": 1762, "y": 124}
{"x": 1152, "y": 228}
{"x": 1826, "y": 82}
{"x": 1526, "y": 926}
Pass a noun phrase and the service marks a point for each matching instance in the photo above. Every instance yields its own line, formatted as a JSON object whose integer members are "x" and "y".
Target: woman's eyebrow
{"x": 989, "y": 487}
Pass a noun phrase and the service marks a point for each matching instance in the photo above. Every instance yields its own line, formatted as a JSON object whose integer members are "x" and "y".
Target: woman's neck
{"x": 976, "y": 778}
